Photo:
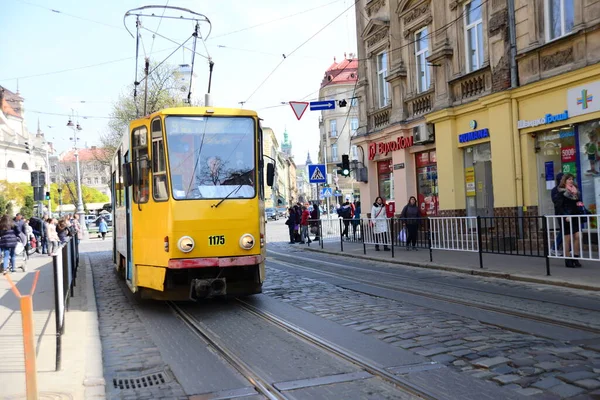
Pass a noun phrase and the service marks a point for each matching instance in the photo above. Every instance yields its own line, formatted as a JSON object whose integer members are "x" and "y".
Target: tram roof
{"x": 201, "y": 111}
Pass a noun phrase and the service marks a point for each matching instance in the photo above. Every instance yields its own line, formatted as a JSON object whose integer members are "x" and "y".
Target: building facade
{"x": 94, "y": 172}
{"x": 475, "y": 112}
{"x": 338, "y": 125}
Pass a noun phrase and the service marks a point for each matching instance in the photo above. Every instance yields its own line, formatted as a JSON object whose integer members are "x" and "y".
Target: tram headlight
{"x": 185, "y": 244}
{"x": 247, "y": 241}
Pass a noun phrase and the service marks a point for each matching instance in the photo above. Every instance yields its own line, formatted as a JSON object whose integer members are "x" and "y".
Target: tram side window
{"x": 159, "y": 165}
{"x": 141, "y": 169}
{"x": 120, "y": 192}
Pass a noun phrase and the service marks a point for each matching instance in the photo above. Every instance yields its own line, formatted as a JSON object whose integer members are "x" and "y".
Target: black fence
{"x": 525, "y": 236}
{"x": 65, "y": 263}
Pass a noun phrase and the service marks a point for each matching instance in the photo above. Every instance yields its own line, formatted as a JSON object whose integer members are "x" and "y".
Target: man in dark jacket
{"x": 315, "y": 217}
{"x": 557, "y": 245}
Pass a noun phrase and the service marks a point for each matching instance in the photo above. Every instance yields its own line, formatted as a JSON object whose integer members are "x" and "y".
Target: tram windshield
{"x": 211, "y": 157}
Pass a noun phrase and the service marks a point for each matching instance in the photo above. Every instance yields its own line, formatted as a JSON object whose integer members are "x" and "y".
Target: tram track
{"x": 262, "y": 385}
{"x": 432, "y": 296}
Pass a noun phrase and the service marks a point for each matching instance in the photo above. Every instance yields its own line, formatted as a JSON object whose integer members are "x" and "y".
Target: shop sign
{"x": 399, "y": 166}
{"x": 475, "y": 135}
{"x": 583, "y": 99}
{"x": 470, "y": 181}
{"x": 422, "y": 159}
{"x": 546, "y": 119}
{"x": 569, "y": 168}
{"x": 387, "y": 147}
{"x": 567, "y": 154}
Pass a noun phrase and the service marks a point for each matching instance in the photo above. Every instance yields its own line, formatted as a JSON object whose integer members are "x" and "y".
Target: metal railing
{"x": 65, "y": 263}
{"x": 578, "y": 235}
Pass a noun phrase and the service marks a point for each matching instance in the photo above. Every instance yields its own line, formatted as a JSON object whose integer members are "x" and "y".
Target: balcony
{"x": 471, "y": 86}
{"x": 333, "y": 134}
{"x": 380, "y": 118}
{"x": 420, "y": 104}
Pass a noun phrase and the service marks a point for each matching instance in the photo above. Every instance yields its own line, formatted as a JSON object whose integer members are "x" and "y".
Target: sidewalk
{"x": 519, "y": 268}
{"x": 81, "y": 375}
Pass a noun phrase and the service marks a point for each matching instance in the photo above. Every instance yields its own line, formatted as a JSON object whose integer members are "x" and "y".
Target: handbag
{"x": 19, "y": 248}
{"x": 402, "y": 236}
{"x": 371, "y": 223}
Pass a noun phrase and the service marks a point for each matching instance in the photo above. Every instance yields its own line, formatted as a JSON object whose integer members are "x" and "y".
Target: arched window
{"x": 10, "y": 164}
{"x": 25, "y": 167}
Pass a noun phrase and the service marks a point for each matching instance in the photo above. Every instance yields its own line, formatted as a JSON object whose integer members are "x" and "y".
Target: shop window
{"x": 474, "y": 35}
{"x": 560, "y": 18}
{"x": 421, "y": 54}
{"x": 386, "y": 179}
{"x": 478, "y": 180}
{"x": 589, "y": 165}
{"x": 427, "y": 183}
{"x": 383, "y": 89}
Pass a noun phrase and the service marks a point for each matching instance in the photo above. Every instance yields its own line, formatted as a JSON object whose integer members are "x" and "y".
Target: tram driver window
{"x": 141, "y": 169}
{"x": 159, "y": 167}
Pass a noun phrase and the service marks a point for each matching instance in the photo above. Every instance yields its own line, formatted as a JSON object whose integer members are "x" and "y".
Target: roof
{"x": 344, "y": 72}
{"x": 92, "y": 154}
{"x": 10, "y": 102}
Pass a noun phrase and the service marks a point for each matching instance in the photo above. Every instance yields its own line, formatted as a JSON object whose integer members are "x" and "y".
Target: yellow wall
{"x": 514, "y": 161}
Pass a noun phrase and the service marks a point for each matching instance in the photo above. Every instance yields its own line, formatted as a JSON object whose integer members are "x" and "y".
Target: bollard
{"x": 28, "y": 337}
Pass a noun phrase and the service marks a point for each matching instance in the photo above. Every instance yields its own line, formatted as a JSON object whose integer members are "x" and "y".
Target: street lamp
{"x": 59, "y": 202}
{"x": 80, "y": 212}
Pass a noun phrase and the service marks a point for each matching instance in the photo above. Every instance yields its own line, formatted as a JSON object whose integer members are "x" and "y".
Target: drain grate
{"x": 140, "y": 382}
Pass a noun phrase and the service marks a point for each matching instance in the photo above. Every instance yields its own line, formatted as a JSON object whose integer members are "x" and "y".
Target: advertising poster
{"x": 470, "y": 181}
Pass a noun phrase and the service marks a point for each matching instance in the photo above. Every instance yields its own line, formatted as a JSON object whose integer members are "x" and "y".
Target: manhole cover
{"x": 140, "y": 382}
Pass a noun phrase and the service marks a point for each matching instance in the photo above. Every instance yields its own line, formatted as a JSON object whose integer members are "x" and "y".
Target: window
{"x": 53, "y": 169}
{"x": 159, "y": 165}
{"x": 10, "y": 164}
{"x": 560, "y": 16}
{"x": 88, "y": 181}
{"x": 68, "y": 169}
{"x": 353, "y": 125}
{"x": 421, "y": 53}
{"x": 354, "y": 151}
{"x": 334, "y": 153}
{"x": 53, "y": 180}
{"x": 96, "y": 181}
{"x": 333, "y": 127}
{"x": 25, "y": 167}
{"x": 354, "y": 102}
{"x": 140, "y": 165}
{"x": 382, "y": 85}
{"x": 474, "y": 35}
{"x": 103, "y": 180}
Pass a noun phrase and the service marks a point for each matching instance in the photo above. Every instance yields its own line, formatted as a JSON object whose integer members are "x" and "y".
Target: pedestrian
{"x": 569, "y": 204}
{"x": 379, "y": 223}
{"x": 52, "y": 236}
{"x": 9, "y": 238}
{"x": 102, "y": 228}
{"x": 557, "y": 244}
{"x": 356, "y": 219}
{"x": 298, "y": 216}
{"x": 345, "y": 212}
{"x": 304, "y": 226}
{"x": 291, "y": 223}
{"x": 62, "y": 229}
{"x": 410, "y": 216}
{"x": 315, "y": 217}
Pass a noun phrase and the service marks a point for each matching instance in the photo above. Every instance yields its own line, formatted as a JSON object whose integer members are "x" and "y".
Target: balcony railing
{"x": 380, "y": 118}
{"x": 420, "y": 104}
{"x": 332, "y": 133}
{"x": 471, "y": 86}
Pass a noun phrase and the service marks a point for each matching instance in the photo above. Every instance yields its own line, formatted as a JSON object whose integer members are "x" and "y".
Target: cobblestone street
{"x": 530, "y": 365}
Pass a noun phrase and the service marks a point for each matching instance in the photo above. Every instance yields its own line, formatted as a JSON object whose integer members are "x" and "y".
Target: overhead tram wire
{"x": 158, "y": 27}
{"x": 296, "y": 49}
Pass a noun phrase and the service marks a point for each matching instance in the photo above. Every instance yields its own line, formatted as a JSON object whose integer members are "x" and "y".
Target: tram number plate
{"x": 216, "y": 240}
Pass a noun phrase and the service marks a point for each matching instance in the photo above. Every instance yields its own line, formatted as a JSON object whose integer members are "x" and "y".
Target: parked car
{"x": 282, "y": 211}
{"x": 272, "y": 213}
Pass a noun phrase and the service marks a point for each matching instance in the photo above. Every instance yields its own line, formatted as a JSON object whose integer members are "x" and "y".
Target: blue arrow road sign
{"x": 316, "y": 173}
{"x": 326, "y": 192}
{"x": 322, "y": 105}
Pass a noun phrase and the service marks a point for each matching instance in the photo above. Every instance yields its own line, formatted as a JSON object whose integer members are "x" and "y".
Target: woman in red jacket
{"x": 304, "y": 225}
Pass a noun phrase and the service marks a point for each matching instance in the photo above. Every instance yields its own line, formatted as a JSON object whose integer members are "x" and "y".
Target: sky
{"x": 79, "y": 58}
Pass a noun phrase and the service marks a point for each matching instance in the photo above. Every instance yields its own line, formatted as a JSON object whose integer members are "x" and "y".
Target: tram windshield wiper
{"x": 226, "y": 197}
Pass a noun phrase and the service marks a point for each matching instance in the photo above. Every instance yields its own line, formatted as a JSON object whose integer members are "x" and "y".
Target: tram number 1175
{"x": 216, "y": 240}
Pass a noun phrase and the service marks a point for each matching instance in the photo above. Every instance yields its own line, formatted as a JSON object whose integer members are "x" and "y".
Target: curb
{"x": 94, "y": 383}
{"x": 448, "y": 268}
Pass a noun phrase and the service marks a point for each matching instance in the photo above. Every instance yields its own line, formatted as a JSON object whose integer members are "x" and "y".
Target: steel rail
{"x": 347, "y": 355}
{"x": 447, "y": 299}
{"x": 260, "y": 384}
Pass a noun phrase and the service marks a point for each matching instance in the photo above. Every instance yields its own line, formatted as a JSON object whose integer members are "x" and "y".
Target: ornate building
{"x": 94, "y": 172}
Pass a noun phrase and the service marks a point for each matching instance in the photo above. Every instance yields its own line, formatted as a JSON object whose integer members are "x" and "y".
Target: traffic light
{"x": 27, "y": 148}
{"x": 345, "y": 165}
{"x": 47, "y": 195}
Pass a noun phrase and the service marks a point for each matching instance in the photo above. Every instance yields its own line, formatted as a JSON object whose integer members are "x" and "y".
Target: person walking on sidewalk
{"x": 356, "y": 219}
{"x": 345, "y": 212}
{"x": 379, "y": 223}
{"x": 304, "y": 226}
{"x": 102, "y": 228}
{"x": 315, "y": 221}
{"x": 291, "y": 222}
{"x": 557, "y": 244}
{"x": 569, "y": 204}
{"x": 411, "y": 217}
{"x": 52, "y": 236}
{"x": 9, "y": 237}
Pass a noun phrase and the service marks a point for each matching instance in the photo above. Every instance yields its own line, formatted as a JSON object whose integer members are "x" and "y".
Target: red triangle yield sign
{"x": 299, "y": 107}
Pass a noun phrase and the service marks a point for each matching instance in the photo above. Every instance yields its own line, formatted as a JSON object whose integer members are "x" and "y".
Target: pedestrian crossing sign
{"x": 326, "y": 192}
{"x": 316, "y": 173}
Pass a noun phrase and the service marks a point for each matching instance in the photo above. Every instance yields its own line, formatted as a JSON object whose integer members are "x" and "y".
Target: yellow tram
{"x": 188, "y": 203}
